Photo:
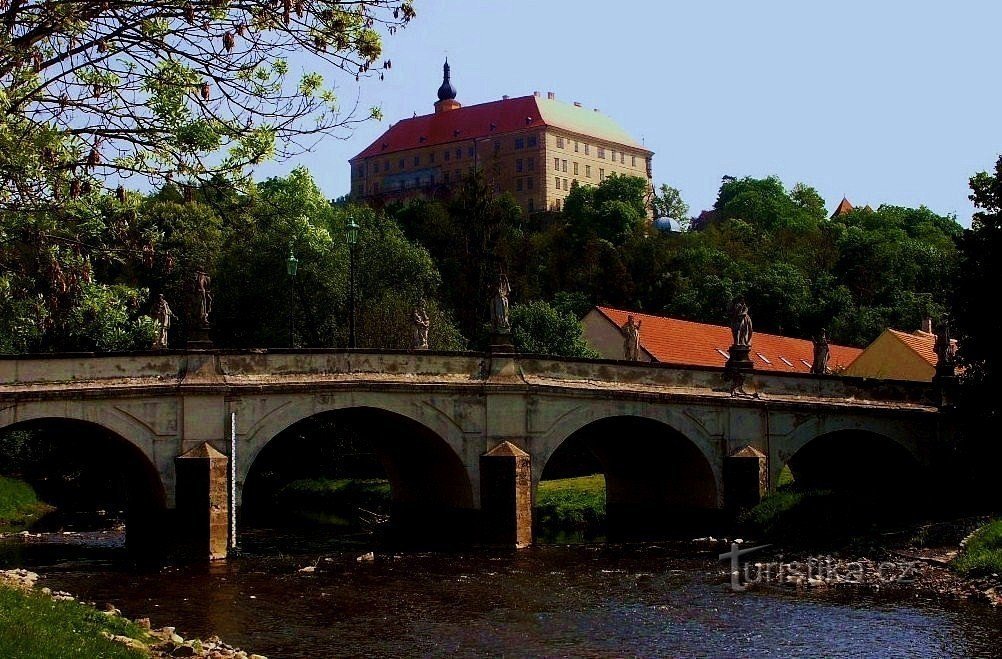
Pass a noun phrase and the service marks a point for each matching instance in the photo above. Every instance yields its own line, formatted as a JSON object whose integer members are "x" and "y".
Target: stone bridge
{"x": 471, "y": 434}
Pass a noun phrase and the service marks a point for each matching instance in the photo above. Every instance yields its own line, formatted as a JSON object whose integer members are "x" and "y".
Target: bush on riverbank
{"x": 342, "y": 494}
{"x": 982, "y": 553}
{"x": 571, "y": 504}
{"x": 18, "y": 503}
{"x": 34, "y": 625}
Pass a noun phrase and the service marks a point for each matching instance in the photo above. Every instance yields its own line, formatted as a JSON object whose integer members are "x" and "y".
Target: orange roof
{"x": 486, "y": 120}
{"x": 675, "y": 341}
{"x": 844, "y": 207}
{"x": 923, "y": 343}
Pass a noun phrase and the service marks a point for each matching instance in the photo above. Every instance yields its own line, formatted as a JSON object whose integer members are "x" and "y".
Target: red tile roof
{"x": 844, "y": 207}
{"x": 923, "y": 343}
{"x": 675, "y": 341}
{"x": 486, "y": 120}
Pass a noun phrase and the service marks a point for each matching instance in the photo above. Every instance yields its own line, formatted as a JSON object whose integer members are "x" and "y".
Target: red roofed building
{"x": 683, "y": 342}
{"x": 897, "y": 355}
{"x": 531, "y": 146}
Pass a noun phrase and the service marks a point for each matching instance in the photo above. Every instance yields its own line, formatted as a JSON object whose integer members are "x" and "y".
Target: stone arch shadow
{"x": 663, "y": 474}
{"x": 431, "y": 486}
{"x": 851, "y": 454}
{"x": 146, "y": 490}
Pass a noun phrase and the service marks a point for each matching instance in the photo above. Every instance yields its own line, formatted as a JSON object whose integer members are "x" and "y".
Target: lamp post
{"x": 351, "y": 234}
{"x": 291, "y": 267}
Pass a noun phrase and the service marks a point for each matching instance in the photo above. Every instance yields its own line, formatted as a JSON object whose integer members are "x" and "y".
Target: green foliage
{"x": 340, "y": 495}
{"x": 571, "y": 504}
{"x": 18, "y": 502}
{"x": 540, "y": 329}
{"x": 982, "y": 555}
{"x": 33, "y": 625}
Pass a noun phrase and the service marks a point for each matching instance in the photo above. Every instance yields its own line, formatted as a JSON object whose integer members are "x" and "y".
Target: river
{"x": 584, "y": 600}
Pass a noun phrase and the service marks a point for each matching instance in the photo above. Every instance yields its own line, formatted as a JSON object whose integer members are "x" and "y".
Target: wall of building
{"x": 604, "y": 337}
{"x": 889, "y": 358}
{"x": 587, "y": 160}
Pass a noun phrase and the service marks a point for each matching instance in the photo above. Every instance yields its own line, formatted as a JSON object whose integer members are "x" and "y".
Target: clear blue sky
{"x": 885, "y": 101}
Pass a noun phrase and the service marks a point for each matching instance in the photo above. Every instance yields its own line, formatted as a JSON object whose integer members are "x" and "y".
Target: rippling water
{"x": 592, "y": 601}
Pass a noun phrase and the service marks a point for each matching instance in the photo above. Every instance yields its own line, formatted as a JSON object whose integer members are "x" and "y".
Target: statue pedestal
{"x": 739, "y": 359}
{"x": 501, "y": 343}
{"x": 199, "y": 339}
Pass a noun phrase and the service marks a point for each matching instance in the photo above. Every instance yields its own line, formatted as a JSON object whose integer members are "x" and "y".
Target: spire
{"x": 446, "y": 92}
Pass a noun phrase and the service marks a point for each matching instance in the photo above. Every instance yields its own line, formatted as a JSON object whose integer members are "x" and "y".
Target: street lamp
{"x": 351, "y": 233}
{"x": 291, "y": 267}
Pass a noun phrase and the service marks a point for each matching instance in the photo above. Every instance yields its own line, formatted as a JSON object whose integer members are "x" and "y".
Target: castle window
{"x": 400, "y": 165}
{"x": 563, "y": 166}
{"x": 431, "y": 157}
{"x": 518, "y": 185}
{"x": 470, "y": 152}
{"x": 532, "y": 140}
{"x": 417, "y": 160}
{"x": 587, "y": 149}
{"x": 565, "y": 184}
{"x": 601, "y": 174}
{"x": 531, "y": 164}
{"x": 519, "y": 142}
{"x": 560, "y": 142}
{"x": 633, "y": 161}
{"x": 459, "y": 154}
{"x": 497, "y": 147}
{"x": 622, "y": 158}
{"x": 531, "y": 206}
{"x": 556, "y": 164}
{"x": 447, "y": 154}
{"x": 386, "y": 166}
{"x": 518, "y": 165}
{"x": 587, "y": 171}
{"x": 575, "y": 147}
{"x": 445, "y": 176}
{"x": 530, "y": 181}
{"x": 613, "y": 155}
{"x": 575, "y": 169}
{"x": 556, "y": 180}
{"x": 601, "y": 152}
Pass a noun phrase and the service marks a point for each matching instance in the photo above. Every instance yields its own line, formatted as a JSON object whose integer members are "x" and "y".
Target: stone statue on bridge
{"x": 631, "y": 339}
{"x": 946, "y": 350}
{"x": 421, "y": 325}
{"x": 202, "y": 283}
{"x": 822, "y": 354}
{"x": 741, "y": 323}
{"x": 162, "y": 315}
{"x": 500, "y": 322}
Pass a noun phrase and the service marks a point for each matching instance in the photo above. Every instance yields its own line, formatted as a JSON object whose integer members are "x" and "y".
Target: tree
{"x": 669, "y": 204}
{"x": 172, "y": 88}
{"x": 978, "y": 322}
{"x": 539, "y": 328}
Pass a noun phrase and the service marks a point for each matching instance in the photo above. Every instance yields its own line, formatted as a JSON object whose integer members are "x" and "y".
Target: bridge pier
{"x": 202, "y": 514}
{"x": 746, "y": 478}
{"x": 506, "y": 496}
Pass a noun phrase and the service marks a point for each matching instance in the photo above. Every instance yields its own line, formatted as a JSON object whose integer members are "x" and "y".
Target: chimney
{"x": 927, "y": 325}
{"x": 551, "y": 96}
{"x": 505, "y": 97}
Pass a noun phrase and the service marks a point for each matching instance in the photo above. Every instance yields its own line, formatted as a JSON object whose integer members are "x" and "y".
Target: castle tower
{"x": 446, "y": 93}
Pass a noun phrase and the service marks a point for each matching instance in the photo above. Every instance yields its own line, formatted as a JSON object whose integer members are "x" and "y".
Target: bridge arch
{"x": 430, "y": 484}
{"x": 659, "y": 478}
{"x": 888, "y": 437}
{"x": 129, "y": 432}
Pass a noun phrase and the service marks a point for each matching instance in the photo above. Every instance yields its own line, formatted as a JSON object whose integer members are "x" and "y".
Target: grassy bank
{"x": 343, "y": 494}
{"x": 982, "y": 555}
{"x": 571, "y": 504}
{"x": 34, "y": 625}
{"x": 18, "y": 504}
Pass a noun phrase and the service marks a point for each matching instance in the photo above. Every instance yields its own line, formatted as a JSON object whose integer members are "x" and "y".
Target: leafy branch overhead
{"x": 169, "y": 89}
